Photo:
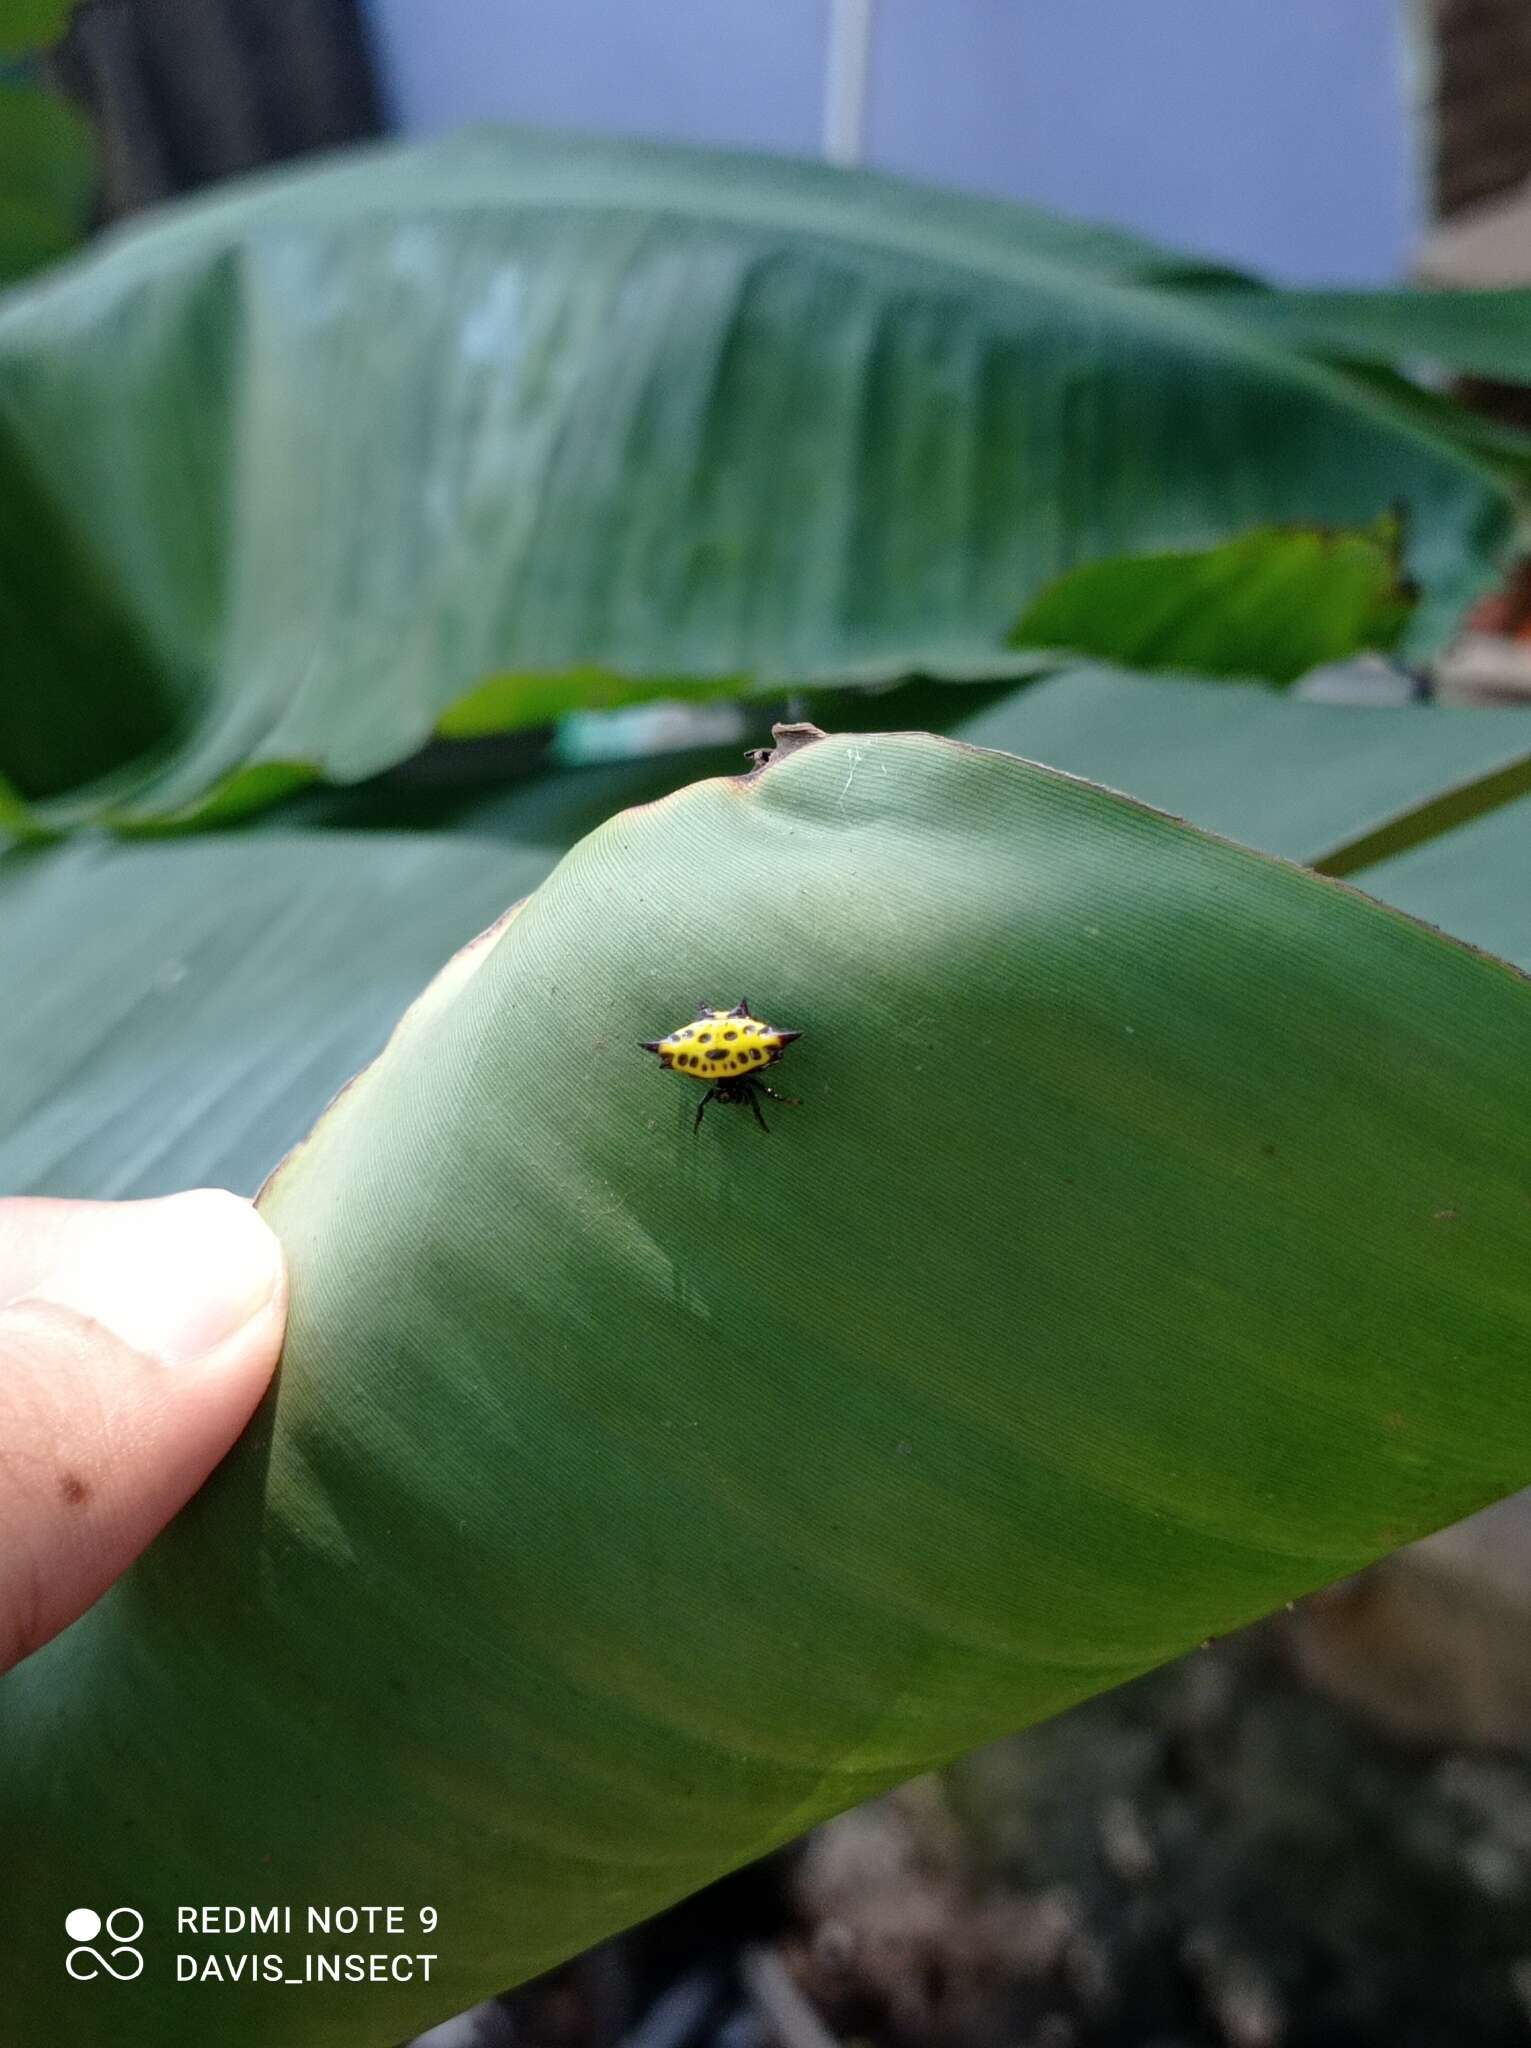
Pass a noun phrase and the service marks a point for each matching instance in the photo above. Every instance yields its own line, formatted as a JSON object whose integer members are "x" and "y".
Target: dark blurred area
{"x": 1481, "y": 101}
{"x": 182, "y": 95}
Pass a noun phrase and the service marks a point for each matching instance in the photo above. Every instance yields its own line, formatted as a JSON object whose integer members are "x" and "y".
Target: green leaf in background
{"x": 337, "y": 452}
{"x": 190, "y": 1007}
{"x": 1479, "y": 333}
{"x": 511, "y": 703}
{"x": 1475, "y": 883}
{"x": 1274, "y": 603}
{"x": 541, "y": 808}
{"x": 47, "y": 173}
{"x": 1149, "y": 1247}
{"x": 1310, "y": 781}
{"x": 27, "y": 25}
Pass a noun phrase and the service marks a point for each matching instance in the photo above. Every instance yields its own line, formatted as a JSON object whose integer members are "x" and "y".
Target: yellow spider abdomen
{"x": 722, "y": 1048}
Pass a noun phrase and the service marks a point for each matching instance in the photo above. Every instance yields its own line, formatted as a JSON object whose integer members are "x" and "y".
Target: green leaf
{"x": 1475, "y": 883}
{"x": 184, "y": 1011}
{"x": 47, "y": 172}
{"x": 475, "y": 432}
{"x": 1500, "y": 452}
{"x": 27, "y": 25}
{"x": 1147, "y": 1249}
{"x": 511, "y": 703}
{"x": 1482, "y": 333}
{"x": 1314, "y": 782}
{"x": 1274, "y": 603}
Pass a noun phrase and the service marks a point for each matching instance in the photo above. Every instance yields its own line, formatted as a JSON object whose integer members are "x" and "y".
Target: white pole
{"x": 845, "y": 80}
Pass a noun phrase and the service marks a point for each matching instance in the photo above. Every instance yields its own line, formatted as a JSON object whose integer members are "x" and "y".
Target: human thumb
{"x": 135, "y": 1340}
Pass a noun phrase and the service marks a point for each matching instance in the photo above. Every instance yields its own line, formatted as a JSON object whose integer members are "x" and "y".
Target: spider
{"x": 725, "y": 1048}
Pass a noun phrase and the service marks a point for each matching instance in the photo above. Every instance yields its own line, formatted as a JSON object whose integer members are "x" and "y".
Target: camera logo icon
{"x": 123, "y": 1926}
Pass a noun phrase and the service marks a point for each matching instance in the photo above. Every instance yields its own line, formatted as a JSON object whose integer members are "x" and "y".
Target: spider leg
{"x": 795, "y": 1100}
{"x": 708, "y": 1097}
{"x": 751, "y": 1090}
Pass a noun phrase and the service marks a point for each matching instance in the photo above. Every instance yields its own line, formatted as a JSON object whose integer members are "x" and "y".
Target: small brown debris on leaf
{"x": 788, "y": 739}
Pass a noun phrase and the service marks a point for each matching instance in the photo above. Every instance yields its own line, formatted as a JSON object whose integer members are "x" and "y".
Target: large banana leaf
{"x": 1149, "y": 1247}
{"x": 472, "y": 431}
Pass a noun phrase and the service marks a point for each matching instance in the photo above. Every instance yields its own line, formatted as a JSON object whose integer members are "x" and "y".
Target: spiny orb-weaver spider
{"x": 725, "y": 1048}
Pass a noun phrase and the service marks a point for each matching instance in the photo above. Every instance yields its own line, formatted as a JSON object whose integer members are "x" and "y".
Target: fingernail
{"x": 173, "y": 1278}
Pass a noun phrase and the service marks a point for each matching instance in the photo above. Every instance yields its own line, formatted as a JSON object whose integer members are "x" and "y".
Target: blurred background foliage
{"x": 47, "y": 161}
{"x": 371, "y": 531}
